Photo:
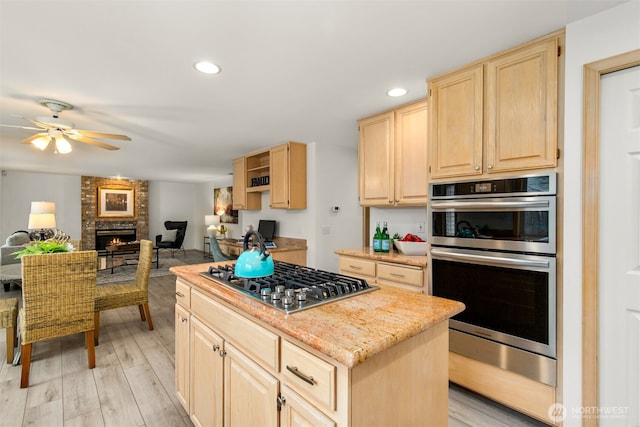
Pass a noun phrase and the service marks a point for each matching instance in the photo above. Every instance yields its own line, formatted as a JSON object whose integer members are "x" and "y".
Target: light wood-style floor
{"x": 133, "y": 381}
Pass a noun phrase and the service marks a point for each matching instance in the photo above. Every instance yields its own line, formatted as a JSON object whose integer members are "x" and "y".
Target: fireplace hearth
{"x": 113, "y": 236}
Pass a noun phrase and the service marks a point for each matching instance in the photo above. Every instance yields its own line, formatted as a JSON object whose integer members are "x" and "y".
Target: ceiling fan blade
{"x": 41, "y": 125}
{"x": 103, "y": 135}
{"x": 20, "y": 127}
{"x": 87, "y": 140}
{"x": 34, "y": 137}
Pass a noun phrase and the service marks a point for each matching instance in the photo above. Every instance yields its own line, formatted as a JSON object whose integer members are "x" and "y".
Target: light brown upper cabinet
{"x": 288, "y": 166}
{"x": 497, "y": 115}
{"x": 281, "y": 170}
{"x": 242, "y": 199}
{"x": 392, "y": 156}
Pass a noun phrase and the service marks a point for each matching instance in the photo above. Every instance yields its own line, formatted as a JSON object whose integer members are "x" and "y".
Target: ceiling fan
{"x": 62, "y": 132}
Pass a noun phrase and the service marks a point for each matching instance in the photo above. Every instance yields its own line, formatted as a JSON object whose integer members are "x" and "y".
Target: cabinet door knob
{"x": 281, "y": 401}
{"x": 222, "y": 353}
{"x": 477, "y": 168}
{"x": 184, "y": 319}
{"x": 489, "y": 166}
{"x": 216, "y": 347}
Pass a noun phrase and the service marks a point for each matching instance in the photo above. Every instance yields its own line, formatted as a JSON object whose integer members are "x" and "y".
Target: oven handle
{"x": 503, "y": 204}
{"x": 497, "y": 260}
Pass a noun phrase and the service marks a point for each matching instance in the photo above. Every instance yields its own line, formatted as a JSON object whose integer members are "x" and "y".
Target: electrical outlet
{"x": 421, "y": 227}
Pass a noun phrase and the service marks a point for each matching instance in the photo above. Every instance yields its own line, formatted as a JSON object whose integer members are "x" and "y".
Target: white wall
{"x": 174, "y": 202}
{"x": 401, "y": 220}
{"x": 19, "y": 189}
{"x": 600, "y": 36}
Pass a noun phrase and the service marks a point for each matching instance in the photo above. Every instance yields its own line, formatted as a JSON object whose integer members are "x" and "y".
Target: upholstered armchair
{"x": 58, "y": 299}
{"x": 216, "y": 252}
{"x": 173, "y": 237}
{"x": 10, "y": 269}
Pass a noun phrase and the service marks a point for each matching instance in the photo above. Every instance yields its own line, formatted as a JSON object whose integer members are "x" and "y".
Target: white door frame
{"x": 590, "y": 206}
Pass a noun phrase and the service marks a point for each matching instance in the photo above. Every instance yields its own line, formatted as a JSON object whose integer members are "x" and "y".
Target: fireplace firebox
{"x": 113, "y": 236}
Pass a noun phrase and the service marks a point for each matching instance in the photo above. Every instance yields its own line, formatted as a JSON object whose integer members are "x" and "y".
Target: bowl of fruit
{"x": 410, "y": 244}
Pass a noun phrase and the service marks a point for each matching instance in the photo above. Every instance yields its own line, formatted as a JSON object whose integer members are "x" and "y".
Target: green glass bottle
{"x": 385, "y": 243}
{"x": 377, "y": 239}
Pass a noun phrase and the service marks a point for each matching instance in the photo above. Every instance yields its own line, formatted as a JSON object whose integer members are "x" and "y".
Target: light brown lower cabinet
{"x": 232, "y": 370}
{"x": 250, "y": 392}
{"x": 205, "y": 405}
{"x": 407, "y": 277}
{"x": 297, "y": 412}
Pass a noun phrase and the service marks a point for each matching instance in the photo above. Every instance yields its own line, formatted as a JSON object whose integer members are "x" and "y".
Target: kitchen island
{"x": 378, "y": 358}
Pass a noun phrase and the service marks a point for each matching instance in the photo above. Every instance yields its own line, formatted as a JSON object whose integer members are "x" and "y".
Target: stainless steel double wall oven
{"x": 493, "y": 247}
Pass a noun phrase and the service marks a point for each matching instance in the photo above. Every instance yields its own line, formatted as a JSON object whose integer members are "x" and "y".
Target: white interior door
{"x": 619, "y": 250}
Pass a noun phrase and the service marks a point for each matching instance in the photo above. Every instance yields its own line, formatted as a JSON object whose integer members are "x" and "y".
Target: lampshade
{"x": 42, "y": 142}
{"x": 39, "y": 221}
{"x": 211, "y": 220}
{"x": 62, "y": 145}
{"x": 43, "y": 208}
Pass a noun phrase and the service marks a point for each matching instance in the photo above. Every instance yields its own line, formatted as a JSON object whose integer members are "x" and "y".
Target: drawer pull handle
{"x": 180, "y": 294}
{"x": 396, "y": 274}
{"x": 355, "y": 267}
{"x": 303, "y": 377}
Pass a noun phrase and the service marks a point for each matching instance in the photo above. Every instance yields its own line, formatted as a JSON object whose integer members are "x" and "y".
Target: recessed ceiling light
{"x": 207, "y": 67}
{"x": 398, "y": 91}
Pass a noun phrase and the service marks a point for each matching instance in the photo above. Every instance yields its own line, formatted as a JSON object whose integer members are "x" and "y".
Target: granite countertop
{"x": 283, "y": 244}
{"x": 393, "y": 256}
{"x": 350, "y": 330}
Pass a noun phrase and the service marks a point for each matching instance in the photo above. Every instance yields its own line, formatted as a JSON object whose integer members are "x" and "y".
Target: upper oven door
{"x": 523, "y": 224}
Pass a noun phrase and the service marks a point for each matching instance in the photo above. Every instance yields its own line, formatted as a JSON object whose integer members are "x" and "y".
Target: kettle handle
{"x": 264, "y": 252}
{"x": 464, "y": 223}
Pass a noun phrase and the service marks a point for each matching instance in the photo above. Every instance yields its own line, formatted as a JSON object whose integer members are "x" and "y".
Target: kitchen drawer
{"x": 404, "y": 274}
{"x": 183, "y": 293}
{"x": 234, "y": 250}
{"x": 357, "y": 266}
{"x": 309, "y": 375}
{"x": 256, "y": 342}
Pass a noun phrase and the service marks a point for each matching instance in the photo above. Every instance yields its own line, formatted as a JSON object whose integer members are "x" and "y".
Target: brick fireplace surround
{"x": 92, "y": 222}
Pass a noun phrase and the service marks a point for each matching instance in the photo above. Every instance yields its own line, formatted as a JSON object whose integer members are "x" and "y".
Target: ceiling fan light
{"x": 41, "y": 142}
{"x": 62, "y": 146}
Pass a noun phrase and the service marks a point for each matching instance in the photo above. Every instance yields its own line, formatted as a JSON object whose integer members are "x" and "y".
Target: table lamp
{"x": 42, "y": 217}
{"x": 213, "y": 221}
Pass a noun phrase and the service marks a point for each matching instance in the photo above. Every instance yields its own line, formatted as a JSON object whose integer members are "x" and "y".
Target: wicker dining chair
{"x": 137, "y": 293}
{"x": 58, "y": 298}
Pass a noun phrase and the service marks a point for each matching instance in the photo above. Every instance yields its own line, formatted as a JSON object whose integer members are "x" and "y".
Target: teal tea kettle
{"x": 253, "y": 263}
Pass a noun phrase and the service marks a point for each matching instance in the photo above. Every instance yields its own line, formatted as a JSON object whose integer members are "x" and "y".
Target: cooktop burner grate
{"x": 291, "y": 287}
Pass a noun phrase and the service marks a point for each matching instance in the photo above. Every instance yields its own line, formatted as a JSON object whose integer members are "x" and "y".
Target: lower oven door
{"x": 510, "y": 315}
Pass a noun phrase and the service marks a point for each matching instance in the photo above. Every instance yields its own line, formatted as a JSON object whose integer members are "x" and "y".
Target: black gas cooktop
{"x": 292, "y": 287}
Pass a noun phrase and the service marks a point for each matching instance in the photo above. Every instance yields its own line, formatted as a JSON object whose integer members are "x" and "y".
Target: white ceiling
{"x": 291, "y": 70}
